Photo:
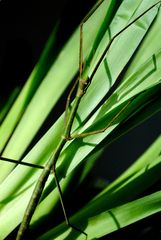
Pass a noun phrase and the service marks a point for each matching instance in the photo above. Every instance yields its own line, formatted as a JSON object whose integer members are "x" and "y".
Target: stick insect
{"x": 82, "y": 84}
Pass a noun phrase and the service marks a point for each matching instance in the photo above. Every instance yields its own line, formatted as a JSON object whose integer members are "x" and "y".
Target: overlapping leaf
{"x": 143, "y": 173}
{"x": 133, "y": 92}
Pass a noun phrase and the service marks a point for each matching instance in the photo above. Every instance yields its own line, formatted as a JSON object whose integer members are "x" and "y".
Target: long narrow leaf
{"x": 111, "y": 220}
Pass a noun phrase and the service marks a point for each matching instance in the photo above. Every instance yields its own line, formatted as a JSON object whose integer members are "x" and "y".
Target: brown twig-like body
{"x": 83, "y": 84}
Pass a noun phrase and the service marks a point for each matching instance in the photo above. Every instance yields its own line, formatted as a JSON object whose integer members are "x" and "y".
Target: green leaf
{"x": 14, "y": 197}
{"x": 16, "y": 112}
{"x": 143, "y": 173}
{"x": 110, "y": 220}
{"x": 47, "y": 94}
{"x": 148, "y": 159}
{"x": 5, "y": 109}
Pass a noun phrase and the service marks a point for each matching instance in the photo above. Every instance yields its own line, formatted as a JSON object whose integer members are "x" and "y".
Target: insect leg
{"x": 63, "y": 204}
{"x": 21, "y": 163}
{"x": 66, "y": 112}
{"x": 80, "y": 57}
{"x": 102, "y": 57}
{"x": 102, "y": 129}
{"x": 68, "y": 100}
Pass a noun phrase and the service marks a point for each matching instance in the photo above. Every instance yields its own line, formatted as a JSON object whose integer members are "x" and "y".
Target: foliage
{"x": 124, "y": 92}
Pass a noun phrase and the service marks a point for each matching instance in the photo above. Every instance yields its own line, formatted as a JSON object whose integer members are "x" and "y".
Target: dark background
{"x": 24, "y": 29}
